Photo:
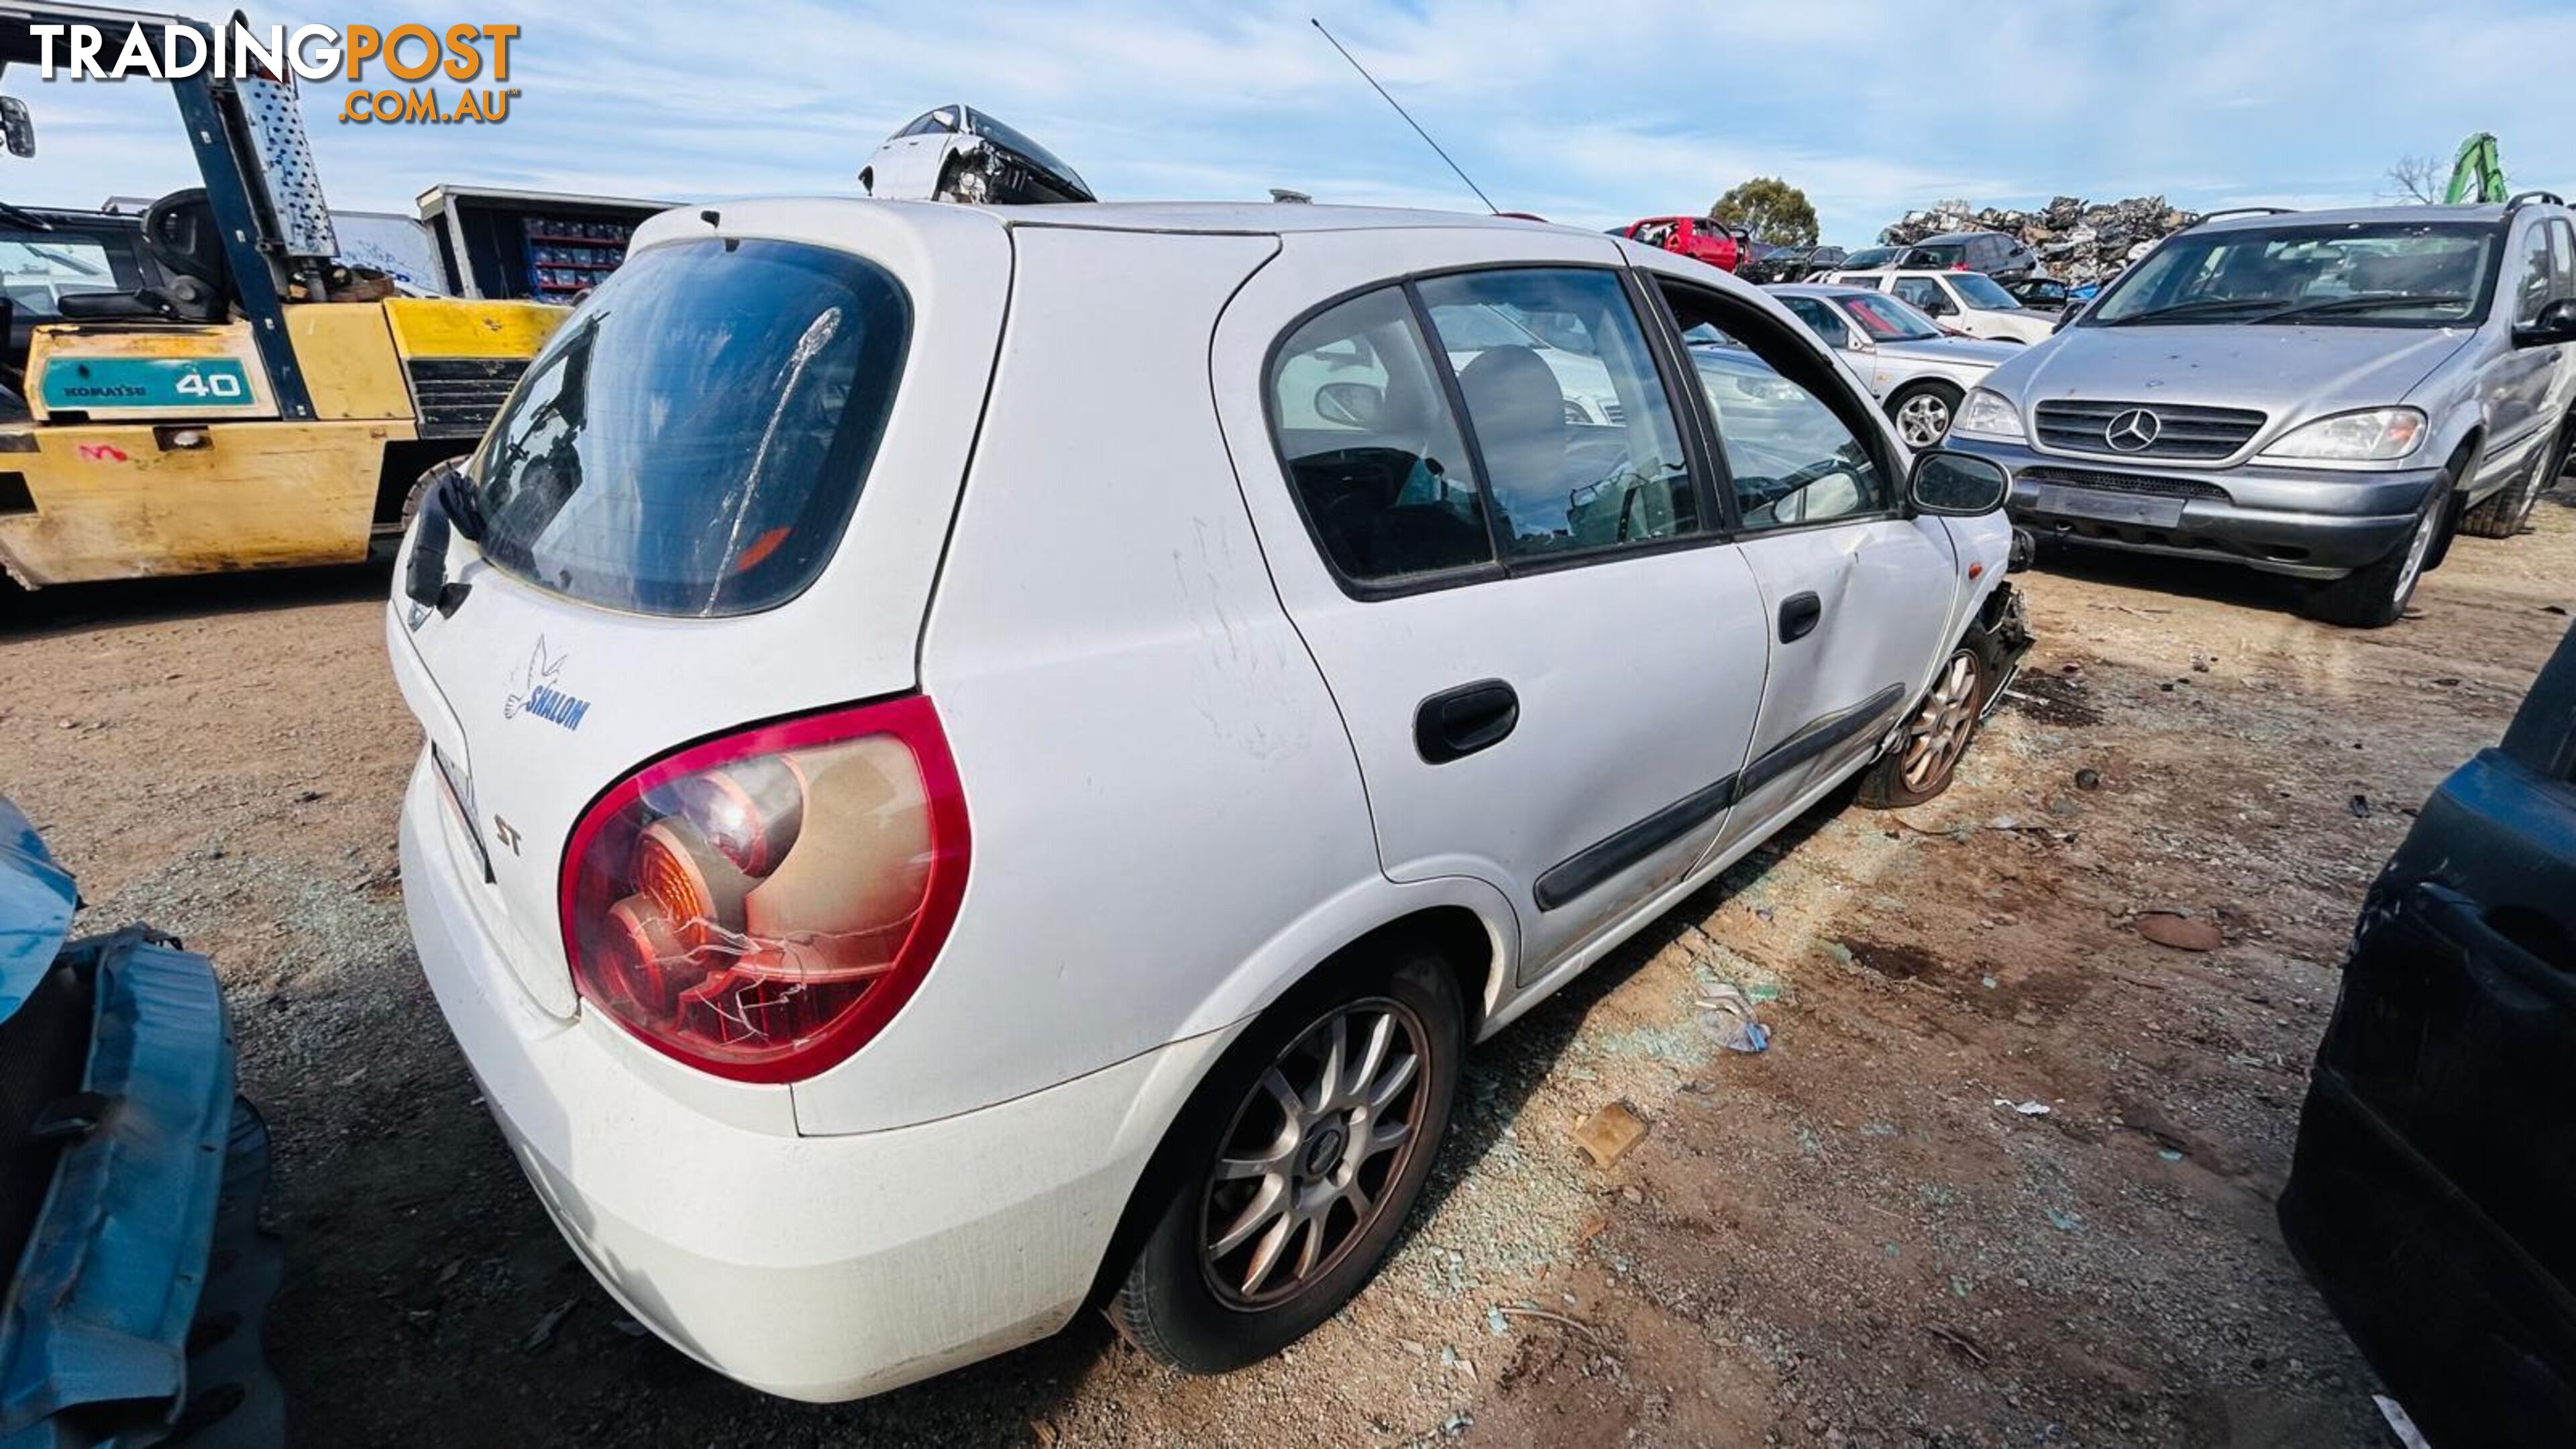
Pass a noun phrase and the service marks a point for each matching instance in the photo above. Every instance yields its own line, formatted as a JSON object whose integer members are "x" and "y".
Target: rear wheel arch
{"x": 1466, "y": 943}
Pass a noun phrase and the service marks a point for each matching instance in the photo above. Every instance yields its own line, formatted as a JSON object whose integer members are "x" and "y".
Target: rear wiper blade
{"x": 2367, "y": 302}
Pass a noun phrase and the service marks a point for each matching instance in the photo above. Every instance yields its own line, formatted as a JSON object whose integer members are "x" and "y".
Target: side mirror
{"x": 17, "y": 127}
{"x": 1950, "y": 484}
{"x": 1351, "y": 404}
{"x": 2555, "y": 324}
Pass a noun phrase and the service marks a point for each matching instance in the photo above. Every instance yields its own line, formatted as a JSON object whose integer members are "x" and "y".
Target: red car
{"x": 1711, "y": 241}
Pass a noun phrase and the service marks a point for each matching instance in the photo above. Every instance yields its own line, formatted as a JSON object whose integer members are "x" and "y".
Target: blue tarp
{"x": 36, "y": 900}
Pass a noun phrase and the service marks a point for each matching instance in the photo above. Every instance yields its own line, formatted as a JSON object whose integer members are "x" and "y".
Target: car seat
{"x": 180, "y": 234}
{"x": 1518, "y": 412}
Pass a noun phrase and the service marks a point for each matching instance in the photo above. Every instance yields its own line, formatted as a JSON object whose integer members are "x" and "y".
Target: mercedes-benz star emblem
{"x": 2133, "y": 431}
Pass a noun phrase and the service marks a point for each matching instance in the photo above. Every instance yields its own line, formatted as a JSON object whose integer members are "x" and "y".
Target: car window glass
{"x": 1983, "y": 292}
{"x": 2562, "y": 256}
{"x": 1890, "y": 320}
{"x": 1578, "y": 440}
{"x": 1371, "y": 445}
{"x": 2532, "y": 280}
{"x": 693, "y": 442}
{"x": 38, "y": 273}
{"x": 2357, "y": 274}
{"x": 1924, "y": 293}
{"x": 1821, "y": 318}
{"x": 1790, "y": 457}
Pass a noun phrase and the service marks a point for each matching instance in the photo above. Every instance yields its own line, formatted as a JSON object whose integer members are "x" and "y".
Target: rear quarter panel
{"x": 1158, "y": 783}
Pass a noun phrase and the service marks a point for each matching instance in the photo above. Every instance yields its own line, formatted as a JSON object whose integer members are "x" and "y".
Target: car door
{"x": 1548, "y": 658}
{"x": 1857, "y": 596}
{"x": 2435, "y": 1178}
{"x": 907, "y": 165}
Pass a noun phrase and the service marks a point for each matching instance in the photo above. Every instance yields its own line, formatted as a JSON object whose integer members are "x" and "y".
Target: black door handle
{"x": 1799, "y": 615}
{"x": 1456, "y": 723}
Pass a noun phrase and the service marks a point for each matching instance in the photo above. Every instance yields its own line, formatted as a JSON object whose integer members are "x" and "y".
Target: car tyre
{"x": 2374, "y": 595}
{"x": 2504, "y": 513}
{"x": 1296, "y": 1163}
{"x": 1923, "y": 412}
{"x": 1936, "y": 735}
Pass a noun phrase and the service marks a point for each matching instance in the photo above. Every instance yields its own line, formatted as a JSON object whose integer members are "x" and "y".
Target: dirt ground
{"x": 1860, "y": 1238}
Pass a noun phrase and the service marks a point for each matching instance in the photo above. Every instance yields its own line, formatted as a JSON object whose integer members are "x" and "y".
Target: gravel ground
{"x": 1855, "y": 1239}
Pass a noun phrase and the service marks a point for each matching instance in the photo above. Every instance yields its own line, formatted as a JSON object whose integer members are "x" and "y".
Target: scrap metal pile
{"x": 2077, "y": 241}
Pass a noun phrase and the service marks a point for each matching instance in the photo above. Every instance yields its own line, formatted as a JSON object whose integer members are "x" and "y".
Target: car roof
{"x": 1952, "y": 236}
{"x": 1821, "y": 289}
{"x": 2364, "y": 215}
{"x": 1252, "y": 217}
{"x": 1222, "y": 218}
{"x": 1905, "y": 272}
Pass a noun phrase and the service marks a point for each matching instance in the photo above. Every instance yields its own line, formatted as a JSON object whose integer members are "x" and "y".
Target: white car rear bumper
{"x": 819, "y": 1268}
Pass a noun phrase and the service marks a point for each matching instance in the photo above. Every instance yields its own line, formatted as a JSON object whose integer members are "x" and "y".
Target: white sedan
{"x": 1918, "y": 372}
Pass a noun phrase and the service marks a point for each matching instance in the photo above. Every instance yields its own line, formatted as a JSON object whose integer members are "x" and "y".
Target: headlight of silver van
{"x": 1987, "y": 414}
{"x": 2378, "y": 435}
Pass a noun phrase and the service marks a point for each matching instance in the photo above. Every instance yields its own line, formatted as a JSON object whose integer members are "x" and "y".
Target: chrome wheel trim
{"x": 1304, "y": 1170}
{"x": 1938, "y": 734}
{"x": 1923, "y": 420}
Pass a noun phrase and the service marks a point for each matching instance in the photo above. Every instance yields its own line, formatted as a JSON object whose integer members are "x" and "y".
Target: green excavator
{"x": 2478, "y": 173}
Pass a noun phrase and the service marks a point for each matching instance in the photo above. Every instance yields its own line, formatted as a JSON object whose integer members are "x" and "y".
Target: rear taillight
{"x": 761, "y": 905}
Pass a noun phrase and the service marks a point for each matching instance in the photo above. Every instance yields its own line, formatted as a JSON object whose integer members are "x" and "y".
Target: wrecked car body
{"x": 2429, "y": 1196}
{"x": 130, "y": 1176}
{"x": 957, "y": 153}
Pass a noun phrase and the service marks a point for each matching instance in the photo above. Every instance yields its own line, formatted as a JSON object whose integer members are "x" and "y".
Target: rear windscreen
{"x": 691, "y": 443}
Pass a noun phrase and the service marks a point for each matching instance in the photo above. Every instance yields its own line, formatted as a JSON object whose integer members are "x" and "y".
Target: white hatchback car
{"x": 951, "y": 796}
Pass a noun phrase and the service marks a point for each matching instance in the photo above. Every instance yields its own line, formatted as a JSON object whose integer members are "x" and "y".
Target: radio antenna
{"x": 1408, "y": 118}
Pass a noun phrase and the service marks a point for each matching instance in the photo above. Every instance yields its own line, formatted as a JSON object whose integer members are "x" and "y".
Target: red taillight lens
{"x": 761, "y": 905}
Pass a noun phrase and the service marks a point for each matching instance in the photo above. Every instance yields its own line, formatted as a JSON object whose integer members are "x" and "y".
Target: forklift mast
{"x": 266, "y": 195}
{"x": 261, "y": 184}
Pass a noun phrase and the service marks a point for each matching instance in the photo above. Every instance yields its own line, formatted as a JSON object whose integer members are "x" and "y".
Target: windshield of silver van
{"x": 2348, "y": 274}
{"x": 692, "y": 441}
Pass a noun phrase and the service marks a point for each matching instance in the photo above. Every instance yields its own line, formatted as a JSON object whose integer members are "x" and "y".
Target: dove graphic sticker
{"x": 538, "y": 693}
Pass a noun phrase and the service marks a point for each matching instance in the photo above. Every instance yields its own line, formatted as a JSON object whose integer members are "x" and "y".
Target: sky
{"x": 1595, "y": 112}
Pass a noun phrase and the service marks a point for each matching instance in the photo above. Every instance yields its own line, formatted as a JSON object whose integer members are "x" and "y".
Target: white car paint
{"x": 2013, "y": 324}
{"x": 1184, "y": 746}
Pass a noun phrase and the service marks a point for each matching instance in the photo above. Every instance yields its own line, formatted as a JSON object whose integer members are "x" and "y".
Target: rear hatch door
{"x": 717, "y": 497}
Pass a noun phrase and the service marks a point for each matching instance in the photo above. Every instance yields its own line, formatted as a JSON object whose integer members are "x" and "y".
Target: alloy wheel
{"x": 1305, "y": 1167}
{"x": 1923, "y": 420}
{"x": 1938, "y": 734}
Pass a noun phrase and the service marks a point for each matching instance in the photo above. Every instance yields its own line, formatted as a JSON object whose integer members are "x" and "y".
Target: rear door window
{"x": 693, "y": 441}
{"x": 1821, "y": 318}
{"x": 1366, "y": 431}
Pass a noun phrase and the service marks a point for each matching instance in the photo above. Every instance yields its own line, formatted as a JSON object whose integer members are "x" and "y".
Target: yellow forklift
{"x": 248, "y": 401}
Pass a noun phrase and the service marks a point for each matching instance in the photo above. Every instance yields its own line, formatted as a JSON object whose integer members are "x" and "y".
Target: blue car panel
{"x": 125, "y": 1154}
